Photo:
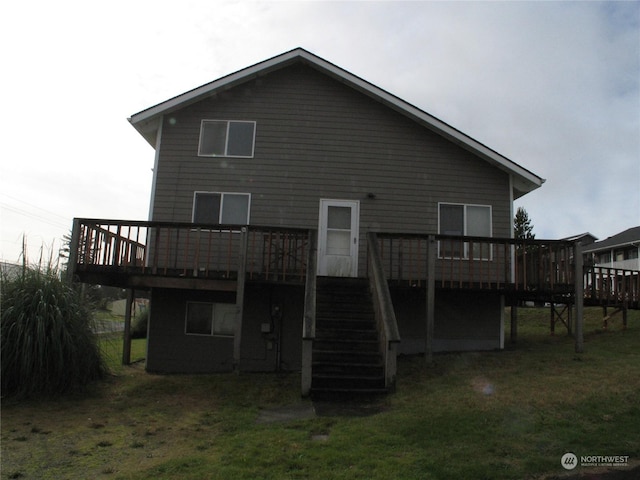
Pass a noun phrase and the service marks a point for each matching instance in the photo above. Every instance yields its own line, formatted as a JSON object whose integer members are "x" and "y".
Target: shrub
{"x": 48, "y": 347}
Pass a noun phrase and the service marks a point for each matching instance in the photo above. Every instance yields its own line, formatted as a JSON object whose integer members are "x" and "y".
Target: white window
{"x": 226, "y": 138}
{"x": 204, "y": 318}
{"x": 464, "y": 220}
{"x": 219, "y": 208}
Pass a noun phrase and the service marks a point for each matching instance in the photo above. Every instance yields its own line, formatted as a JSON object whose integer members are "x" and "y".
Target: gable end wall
{"x": 317, "y": 138}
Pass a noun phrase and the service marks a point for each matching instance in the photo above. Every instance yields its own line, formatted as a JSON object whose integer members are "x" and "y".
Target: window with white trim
{"x": 226, "y": 138}
{"x": 221, "y": 208}
{"x": 464, "y": 220}
{"x": 205, "y": 318}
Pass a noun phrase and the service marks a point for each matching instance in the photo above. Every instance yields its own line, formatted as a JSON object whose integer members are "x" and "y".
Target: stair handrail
{"x": 383, "y": 306}
{"x": 309, "y": 316}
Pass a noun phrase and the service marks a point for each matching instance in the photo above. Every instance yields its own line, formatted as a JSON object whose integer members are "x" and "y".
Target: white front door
{"x": 338, "y": 238}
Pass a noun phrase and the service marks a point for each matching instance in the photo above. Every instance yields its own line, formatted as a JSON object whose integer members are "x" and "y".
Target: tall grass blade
{"x": 48, "y": 347}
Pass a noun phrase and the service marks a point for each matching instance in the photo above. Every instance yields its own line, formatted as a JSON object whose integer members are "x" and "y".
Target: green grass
{"x": 497, "y": 415}
{"x": 111, "y": 348}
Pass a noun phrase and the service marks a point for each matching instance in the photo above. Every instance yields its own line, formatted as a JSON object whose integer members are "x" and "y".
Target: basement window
{"x": 464, "y": 220}
{"x": 204, "y": 318}
{"x": 226, "y": 138}
{"x": 221, "y": 208}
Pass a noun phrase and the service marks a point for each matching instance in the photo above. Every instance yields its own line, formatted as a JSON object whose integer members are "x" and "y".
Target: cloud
{"x": 552, "y": 85}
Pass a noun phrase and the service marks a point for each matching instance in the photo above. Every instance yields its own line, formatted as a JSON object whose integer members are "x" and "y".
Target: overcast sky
{"x": 554, "y": 86}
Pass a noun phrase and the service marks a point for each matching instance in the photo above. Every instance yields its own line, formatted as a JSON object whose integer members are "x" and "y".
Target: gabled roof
{"x": 586, "y": 237}
{"x": 147, "y": 121}
{"x": 631, "y": 236}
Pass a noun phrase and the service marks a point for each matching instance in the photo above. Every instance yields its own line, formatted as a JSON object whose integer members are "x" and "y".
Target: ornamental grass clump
{"x": 48, "y": 347}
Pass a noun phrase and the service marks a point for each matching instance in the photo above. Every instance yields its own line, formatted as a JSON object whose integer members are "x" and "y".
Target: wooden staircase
{"x": 346, "y": 355}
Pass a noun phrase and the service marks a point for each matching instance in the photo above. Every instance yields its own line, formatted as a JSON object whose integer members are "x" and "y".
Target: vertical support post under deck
{"x": 73, "y": 250}
{"x": 431, "y": 296}
{"x": 578, "y": 278}
{"x": 242, "y": 273}
{"x": 514, "y": 321}
{"x": 126, "y": 335}
{"x": 309, "y": 320}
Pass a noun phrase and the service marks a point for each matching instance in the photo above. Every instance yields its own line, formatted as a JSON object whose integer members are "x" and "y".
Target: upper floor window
{"x": 226, "y": 138}
{"x": 604, "y": 257}
{"x": 464, "y": 220}
{"x": 218, "y": 208}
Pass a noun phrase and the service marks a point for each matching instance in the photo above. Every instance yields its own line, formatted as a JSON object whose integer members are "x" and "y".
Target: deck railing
{"x": 189, "y": 249}
{"x": 389, "y": 334}
{"x": 479, "y": 262}
{"x": 612, "y": 286}
{"x": 281, "y": 254}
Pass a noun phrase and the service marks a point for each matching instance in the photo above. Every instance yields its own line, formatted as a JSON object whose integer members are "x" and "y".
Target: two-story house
{"x": 615, "y": 264}
{"x": 303, "y": 218}
{"x": 621, "y": 250}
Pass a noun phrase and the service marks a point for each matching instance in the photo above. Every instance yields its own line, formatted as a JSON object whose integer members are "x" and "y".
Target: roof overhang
{"x": 147, "y": 122}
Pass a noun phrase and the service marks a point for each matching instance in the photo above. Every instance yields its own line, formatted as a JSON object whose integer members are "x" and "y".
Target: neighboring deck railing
{"x": 189, "y": 250}
{"x": 611, "y": 286}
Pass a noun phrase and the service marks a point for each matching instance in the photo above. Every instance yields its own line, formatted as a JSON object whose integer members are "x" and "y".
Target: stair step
{"x": 347, "y": 343}
{"x": 333, "y": 356}
{"x": 346, "y": 351}
{"x": 366, "y": 322}
{"x": 366, "y": 369}
{"x": 347, "y": 381}
{"x": 341, "y": 333}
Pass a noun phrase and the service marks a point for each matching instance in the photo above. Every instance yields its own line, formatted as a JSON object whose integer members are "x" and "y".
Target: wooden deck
{"x": 144, "y": 255}
{"x": 139, "y": 254}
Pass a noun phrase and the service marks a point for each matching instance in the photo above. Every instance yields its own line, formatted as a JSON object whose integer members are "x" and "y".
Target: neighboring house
{"x": 614, "y": 271}
{"x": 293, "y": 204}
{"x": 584, "y": 239}
{"x": 10, "y": 270}
{"x": 119, "y": 307}
{"x": 621, "y": 250}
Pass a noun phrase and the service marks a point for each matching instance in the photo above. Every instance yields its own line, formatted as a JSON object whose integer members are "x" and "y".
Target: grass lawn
{"x": 494, "y": 415}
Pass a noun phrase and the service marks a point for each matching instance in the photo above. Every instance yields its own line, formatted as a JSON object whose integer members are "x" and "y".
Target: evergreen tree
{"x": 522, "y": 228}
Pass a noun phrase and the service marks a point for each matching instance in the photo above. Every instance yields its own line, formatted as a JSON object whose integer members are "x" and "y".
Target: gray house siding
{"x": 269, "y": 342}
{"x": 316, "y": 138}
{"x": 464, "y": 321}
{"x": 170, "y": 350}
{"x": 279, "y": 348}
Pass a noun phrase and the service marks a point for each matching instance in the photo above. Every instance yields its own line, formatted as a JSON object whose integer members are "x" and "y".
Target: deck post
{"x": 431, "y": 296}
{"x": 578, "y": 278}
{"x": 242, "y": 273}
{"x": 514, "y": 322}
{"x": 126, "y": 335}
{"x": 309, "y": 320}
{"x": 73, "y": 250}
